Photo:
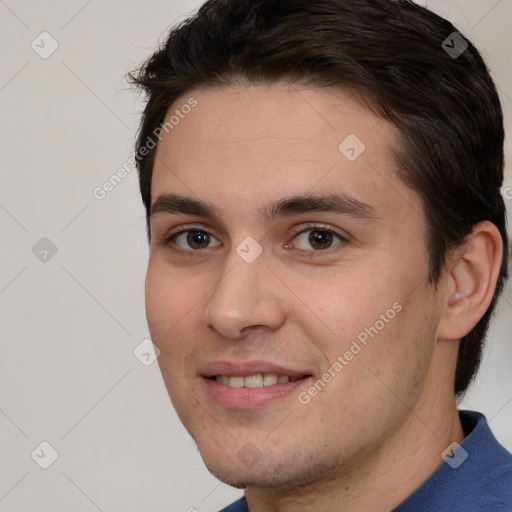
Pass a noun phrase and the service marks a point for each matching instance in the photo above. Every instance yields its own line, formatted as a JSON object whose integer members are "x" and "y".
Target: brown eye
{"x": 318, "y": 239}
{"x": 195, "y": 240}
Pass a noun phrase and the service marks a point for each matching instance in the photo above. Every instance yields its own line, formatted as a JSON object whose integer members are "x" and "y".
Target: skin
{"x": 378, "y": 428}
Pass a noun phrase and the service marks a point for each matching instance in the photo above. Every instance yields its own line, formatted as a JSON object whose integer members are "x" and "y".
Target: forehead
{"x": 251, "y": 144}
{"x": 281, "y": 120}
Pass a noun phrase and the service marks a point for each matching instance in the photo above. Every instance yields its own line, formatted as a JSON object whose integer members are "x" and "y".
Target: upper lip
{"x": 248, "y": 368}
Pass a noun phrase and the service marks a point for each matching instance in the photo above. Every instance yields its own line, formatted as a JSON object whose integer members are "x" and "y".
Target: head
{"x": 362, "y": 176}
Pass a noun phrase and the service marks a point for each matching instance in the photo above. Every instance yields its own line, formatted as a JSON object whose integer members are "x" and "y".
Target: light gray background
{"x": 68, "y": 375}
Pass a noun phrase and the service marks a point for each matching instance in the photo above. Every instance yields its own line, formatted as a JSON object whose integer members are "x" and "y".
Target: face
{"x": 286, "y": 286}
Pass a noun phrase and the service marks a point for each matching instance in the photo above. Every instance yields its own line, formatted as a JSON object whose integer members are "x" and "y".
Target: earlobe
{"x": 472, "y": 280}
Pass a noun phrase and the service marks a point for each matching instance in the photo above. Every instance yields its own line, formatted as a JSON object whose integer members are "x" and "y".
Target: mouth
{"x": 250, "y": 385}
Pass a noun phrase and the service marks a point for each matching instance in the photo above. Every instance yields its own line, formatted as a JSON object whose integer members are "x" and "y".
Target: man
{"x": 328, "y": 243}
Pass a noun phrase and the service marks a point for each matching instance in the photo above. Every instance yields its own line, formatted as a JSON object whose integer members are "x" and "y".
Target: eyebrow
{"x": 337, "y": 203}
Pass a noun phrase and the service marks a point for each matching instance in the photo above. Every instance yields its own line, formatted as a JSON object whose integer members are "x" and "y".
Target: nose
{"x": 246, "y": 296}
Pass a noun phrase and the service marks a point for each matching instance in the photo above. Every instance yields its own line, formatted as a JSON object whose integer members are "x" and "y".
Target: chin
{"x": 291, "y": 473}
{"x": 243, "y": 478}
{"x": 230, "y": 469}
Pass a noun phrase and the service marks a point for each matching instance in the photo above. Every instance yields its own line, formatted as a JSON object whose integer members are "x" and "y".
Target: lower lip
{"x": 250, "y": 398}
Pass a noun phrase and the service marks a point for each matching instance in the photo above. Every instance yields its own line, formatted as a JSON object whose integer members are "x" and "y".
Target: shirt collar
{"x": 477, "y": 475}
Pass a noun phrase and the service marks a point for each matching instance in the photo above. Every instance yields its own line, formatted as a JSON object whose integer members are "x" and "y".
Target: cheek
{"x": 168, "y": 305}
{"x": 397, "y": 360}
{"x": 159, "y": 301}
{"x": 376, "y": 325}
{"x": 168, "y": 309}
{"x": 345, "y": 305}
{"x": 381, "y": 381}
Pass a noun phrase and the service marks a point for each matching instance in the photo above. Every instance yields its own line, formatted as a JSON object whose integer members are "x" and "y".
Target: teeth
{"x": 236, "y": 382}
{"x": 254, "y": 381}
{"x": 270, "y": 379}
{"x": 222, "y": 379}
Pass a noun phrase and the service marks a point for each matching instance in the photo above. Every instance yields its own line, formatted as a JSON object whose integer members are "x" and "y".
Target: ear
{"x": 474, "y": 270}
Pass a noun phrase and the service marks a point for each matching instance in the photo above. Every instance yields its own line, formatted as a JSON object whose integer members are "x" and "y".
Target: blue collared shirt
{"x": 478, "y": 482}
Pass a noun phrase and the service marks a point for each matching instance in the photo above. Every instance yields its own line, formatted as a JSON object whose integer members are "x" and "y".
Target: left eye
{"x": 195, "y": 240}
{"x": 318, "y": 239}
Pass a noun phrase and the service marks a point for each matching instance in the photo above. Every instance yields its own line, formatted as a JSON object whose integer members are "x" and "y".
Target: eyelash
{"x": 168, "y": 240}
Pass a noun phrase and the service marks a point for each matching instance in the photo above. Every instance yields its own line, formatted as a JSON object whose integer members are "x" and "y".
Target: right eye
{"x": 193, "y": 240}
